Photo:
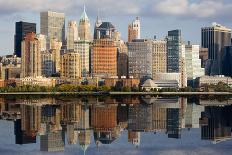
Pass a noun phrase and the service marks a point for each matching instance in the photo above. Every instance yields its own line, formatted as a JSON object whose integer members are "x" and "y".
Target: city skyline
{"x": 157, "y": 17}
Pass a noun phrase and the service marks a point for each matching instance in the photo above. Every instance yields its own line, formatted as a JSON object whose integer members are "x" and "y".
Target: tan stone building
{"x": 71, "y": 65}
{"x": 31, "y": 58}
{"x": 159, "y": 57}
{"x": 134, "y": 30}
{"x": 84, "y": 31}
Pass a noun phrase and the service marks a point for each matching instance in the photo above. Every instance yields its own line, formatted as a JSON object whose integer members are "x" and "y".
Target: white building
{"x": 72, "y": 35}
{"x": 52, "y": 24}
{"x": 83, "y": 48}
{"x": 43, "y": 42}
{"x": 193, "y": 62}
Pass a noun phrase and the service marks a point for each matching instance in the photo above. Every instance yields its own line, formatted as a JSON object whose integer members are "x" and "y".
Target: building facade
{"x": 140, "y": 58}
{"x": 21, "y": 29}
{"x": 31, "y": 58}
{"x": 193, "y": 63}
{"x": 159, "y": 57}
{"x": 84, "y": 31}
{"x": 215, "y": 38}
{"x": 72, "y": 35}
{"x": 83, "y": 48}
{"x": 71, "y": 65}
{"x": 104, "y": 58}
{"x": 134, "y": 30}
{"x": 52, "y": 24}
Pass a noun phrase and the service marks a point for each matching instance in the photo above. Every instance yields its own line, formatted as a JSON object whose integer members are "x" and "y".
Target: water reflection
{"x": 52, "y": 122}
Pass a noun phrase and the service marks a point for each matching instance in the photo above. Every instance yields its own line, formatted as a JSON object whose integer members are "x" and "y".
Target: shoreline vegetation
{"x": 70, "y": 89}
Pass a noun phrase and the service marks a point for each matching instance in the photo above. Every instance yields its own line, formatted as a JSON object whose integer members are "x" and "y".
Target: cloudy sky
{"x": 157, "y": 16}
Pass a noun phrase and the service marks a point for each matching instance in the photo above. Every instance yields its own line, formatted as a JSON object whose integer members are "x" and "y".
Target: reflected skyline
{"x": 55, "y": 124}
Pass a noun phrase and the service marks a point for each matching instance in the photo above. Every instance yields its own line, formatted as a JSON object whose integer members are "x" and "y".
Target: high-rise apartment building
{"x": 193, "y": 62}
{"x": 215, "y": 38}
{"x": 71, "y": 65}
{"x": 21, "y": 29}
{"x": 52, "y": 24}
{"x": 31, "y": 58}
{"x": 104, "y": 58}
{"x": 134, "y": 30}
{"x": 140, "y": 58}
{"x": 72, "y": 35}
{"x": 83, "y": 48}
{"x": 84, "y": 31}
{"x": 159, "y": 57}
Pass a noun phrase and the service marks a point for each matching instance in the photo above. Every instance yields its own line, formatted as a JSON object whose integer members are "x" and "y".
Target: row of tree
{"x": 220, "y": 87}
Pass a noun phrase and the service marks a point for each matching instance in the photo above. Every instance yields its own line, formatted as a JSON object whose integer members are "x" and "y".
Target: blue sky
{"x": 157, "y": 16}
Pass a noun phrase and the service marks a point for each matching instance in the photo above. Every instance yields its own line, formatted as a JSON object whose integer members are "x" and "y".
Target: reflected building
{"x": 20, "y": 136}
{"x": 193, "y": 113}
{"x": 70, "y": 113}
{"x": 52, "y": 141}
{"x": 140, "y": 118}
{"x": 216, "y": 124}
{"x": 104, "y": 123}
{"x": 134, "y": 138}
{"x": 30, "y": 119}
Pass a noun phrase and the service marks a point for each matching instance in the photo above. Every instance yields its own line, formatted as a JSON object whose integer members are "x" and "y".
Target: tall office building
{"x": 215, "y": 38}
{"x": 159, "y": 57}
{"x": 176, "y": 55}
{"x": 97, "y": 24}
{"x": 174, "y": 44}
{"x": 134, "y": 30}
{"x": 84, "y": 31}
{"x": 83, "y": 48}
{"x": 52, "y": 24}
{"x": 50, "y": 59}
{"x": 21, "y": 29}
{"x": 140, "y": 58}
{"x": 104, "y": 58}
{"x": 72, "y": 35}
{"x": 71, "y": 65}
{"x": 193, "y": 63}
{"x": 104, "y": 52}
{"x": 31, "y": 58}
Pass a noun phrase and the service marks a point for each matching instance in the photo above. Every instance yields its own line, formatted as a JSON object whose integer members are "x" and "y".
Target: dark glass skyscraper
{"x": 21, "y": 29}
{"x": 173, "y": 51}
{"x": 215, "y": 38}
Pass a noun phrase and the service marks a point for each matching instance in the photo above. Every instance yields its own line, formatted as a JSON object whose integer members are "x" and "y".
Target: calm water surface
{"x": 128, "y": 125}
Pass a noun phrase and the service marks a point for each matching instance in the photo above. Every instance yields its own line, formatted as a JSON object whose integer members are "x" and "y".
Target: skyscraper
{"x": 104, "y": 58}
{"x": 176, "y": 55}
{"x": 52, "y": 24}
{"x": 83, "y": 48}
{"x": 72, "y": 35}
{"x": 21, "y": 29}
{"x": 71, "y": 65}
{"x": 159, "y": 57}
{"x": 134, "y": 30}
{"x": 140, "y": 58}
{"x": 104, "y": 52}
{"x": 193, "y": 63}
{"x": 215, "y": 38}
{"x": 31, "y": 58}
{"x": 84, "y": 31}
{"x": 174, "y": 43}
